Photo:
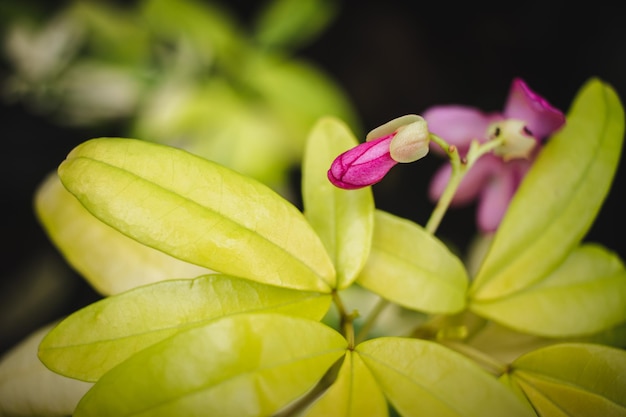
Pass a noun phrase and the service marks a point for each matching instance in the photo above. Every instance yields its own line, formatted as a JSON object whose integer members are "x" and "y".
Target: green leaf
{"x": 344, "y": 219}
{"x": 354, "y": 393}
{"x": 243, "y": 365}
{"x": 110, "y": 261}
{"x": 292, "y": 23}
{"x": 411, "y": 267}
{"x": 559, "y": 197}
{"x": 584, "y": 295}
{"x": 583, "y": 380}
{"x": 94, "y": 339}
{"x": 422, "y": 378}
{"x": 197, "y": 211}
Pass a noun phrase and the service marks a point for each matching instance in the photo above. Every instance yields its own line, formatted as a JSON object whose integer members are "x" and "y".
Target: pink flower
{"x": 404, "y": 139}
{"x": 494, "y": 178}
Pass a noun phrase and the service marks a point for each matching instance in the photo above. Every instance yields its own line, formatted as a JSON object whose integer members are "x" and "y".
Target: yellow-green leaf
{"x": 197, "y": 211}
{"x": 584, "y": 295}
{"x": 110, "y": 261}
{"x": 94, "y": 339}
{"x": 422, "y": 378}
{"x": 559, "y": 197}
{"x": 243, "y": 365}
{"x": 583, "y": 380}
{"x": 344, "y": 219}
{"x": 411, "y": 267}
{"x": 354, "y": 393}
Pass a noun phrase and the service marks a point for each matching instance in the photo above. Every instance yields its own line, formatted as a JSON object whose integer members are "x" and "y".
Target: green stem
{"x": 346, "y": 320}
{"x": 455, "y": 179}
{"x": 459, "y": 169}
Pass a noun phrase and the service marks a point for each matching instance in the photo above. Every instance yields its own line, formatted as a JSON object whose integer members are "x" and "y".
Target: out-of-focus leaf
{"x": 213, "y": 120}
{"x": 559, "y": 197}
{"x": 584, "y": 295}
{"x": 209, "y": 28}
{"x": 505, "y": 344}
{"x": 94, "y": 92}
{"x": 114, "y": 34}
{"x": 197, "y": 211}
{"x": 344, "y": 219}
{"x": 422, "y": 378}
{"x": 39, "y": 54}
{"x": 284, "y": 82}
{"x": 583, "y": 380}
{"x": 243, "y": 365}
{"x": 292, "y": 23}
{"x": 411, "y": 267}
{"x": 110, "y": 261}
{"x": 354, "y": 393}
{"x": 29, "y": 389}
{"x": 96, "y": 338}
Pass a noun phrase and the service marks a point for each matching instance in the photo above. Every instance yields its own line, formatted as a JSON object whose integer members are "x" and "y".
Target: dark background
{"x": 392, "y": 58}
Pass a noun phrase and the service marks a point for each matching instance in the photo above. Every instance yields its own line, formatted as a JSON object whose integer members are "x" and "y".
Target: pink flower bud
{"x": 403, "y": 139}
{"x": 363, "y": 165}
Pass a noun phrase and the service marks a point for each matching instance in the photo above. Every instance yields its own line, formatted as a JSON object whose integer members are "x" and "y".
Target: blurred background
{"x": 243, "y": 82}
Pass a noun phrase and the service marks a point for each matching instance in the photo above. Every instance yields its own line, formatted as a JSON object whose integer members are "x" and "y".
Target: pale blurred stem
{"x": 488, "y": 363}
{"x": 371, "y": 319}
{"x": 460, "y": 166}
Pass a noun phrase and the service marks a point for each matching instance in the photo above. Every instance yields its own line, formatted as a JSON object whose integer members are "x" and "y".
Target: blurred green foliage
{"x": 184, "y": 73}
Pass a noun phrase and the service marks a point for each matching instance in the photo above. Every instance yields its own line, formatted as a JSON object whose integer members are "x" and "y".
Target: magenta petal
{"x": 524, "y": 104}
{"x": 363, "y": 165}
{"x": 458, "y": 125}
{"x": 494, "y": 201}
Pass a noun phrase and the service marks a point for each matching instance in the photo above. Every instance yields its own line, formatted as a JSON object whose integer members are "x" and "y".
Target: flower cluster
{"x": 520, "y": 130}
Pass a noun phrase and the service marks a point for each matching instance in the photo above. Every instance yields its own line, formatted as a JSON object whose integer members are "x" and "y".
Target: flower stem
{"x": 460, "y": 166}
{"x": 455, "y": 179}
